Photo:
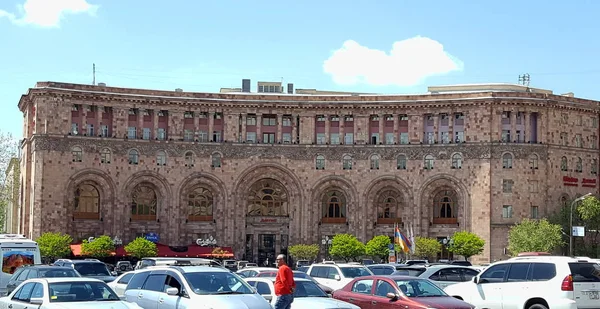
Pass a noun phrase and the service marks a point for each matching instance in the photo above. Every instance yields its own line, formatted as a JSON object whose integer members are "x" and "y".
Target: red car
{"x": 384, "y": 292}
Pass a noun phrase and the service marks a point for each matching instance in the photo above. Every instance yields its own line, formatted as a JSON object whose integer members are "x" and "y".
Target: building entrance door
{"x": 266, "y": 249}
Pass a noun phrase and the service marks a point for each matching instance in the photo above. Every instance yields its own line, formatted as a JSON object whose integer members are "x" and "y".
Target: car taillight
{"x": 567, "y": 283}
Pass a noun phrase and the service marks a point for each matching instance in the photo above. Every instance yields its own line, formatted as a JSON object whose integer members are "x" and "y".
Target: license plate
{"x": 593, "y": 295}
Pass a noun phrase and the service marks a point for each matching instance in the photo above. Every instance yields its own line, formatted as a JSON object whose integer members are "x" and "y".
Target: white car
{"x": 64, "y": 293}
{"x": 119, "y": 284}
{"x": 250, "y": 271}
{"x": 336, "y": 276}
{"x": 307, "y": 294}
{"x": 537, "y": 282}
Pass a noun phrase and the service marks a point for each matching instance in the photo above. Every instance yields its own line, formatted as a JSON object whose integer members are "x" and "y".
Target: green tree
{"x": 99, "y": 247}
{"x": 586, "y": 213}
{"x": 427, "y": 247}
{"x": 346, "y": 247}
{"x": 534, "y": 236}
{"x": 141, "y": 248}
{"x": 8, "y": 151}
{"x": 466, "y": 244}
{"x": 54, "y": 245}
{"x": 378, "y": 247}
{"x": 304, "y": 252}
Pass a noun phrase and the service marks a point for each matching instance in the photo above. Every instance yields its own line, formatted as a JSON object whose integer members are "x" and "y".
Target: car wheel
{"x": 537, "y": 306}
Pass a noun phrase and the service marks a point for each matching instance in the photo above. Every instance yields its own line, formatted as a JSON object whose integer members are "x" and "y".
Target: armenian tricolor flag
{"x": 401, "y": 240}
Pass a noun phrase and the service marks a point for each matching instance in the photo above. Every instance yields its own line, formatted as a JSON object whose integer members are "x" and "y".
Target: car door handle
{"x": 161, "y": 300}
{"x": 350, "y": 299}
{"x": 140, "y": 295}
{"x": 10, "y": 306}
{"x": 373, "y": 302}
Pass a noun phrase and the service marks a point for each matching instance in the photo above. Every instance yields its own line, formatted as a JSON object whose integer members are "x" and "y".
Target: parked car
{"x": 123, "y": 266}
{"x": 250, "y": 272}
{"x": 120, "y": 283}
{"x": 64, "y": 293}
{"x": 442, "y": 275}
{"x": 336, "y": 276}
{"x": 306, "y": 295}
{"x": 397, "y": 292}
{"x": 90, "y": 268}
{"x": 555, "y": 282}
{"x": 230, "y": 264}
{"x": 26, "y": 272}
{"x": 175, "y": 287}
{"x": 303, "y": 269}
{"x": 384, "y": 269}
{"x": 297, "y": 274}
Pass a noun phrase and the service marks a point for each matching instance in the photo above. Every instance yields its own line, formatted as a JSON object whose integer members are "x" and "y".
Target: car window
{"x": 318, "y": 272}
{"x": 518, "y": 272}
{"x": 354, "y": 272}
{"x": 419, "y": 288}
{"x": 363, "y": 286}
{"x": 32, "y": 274}
{"x": 173, "y": 281}
{"x": 585, "y": 272}
{"x": 16, "y": 274}
{"x": 494, "y": 274}
{"x": 308, "y": 289}
{"x": 331, "y": 272}
{"x": 215, "y": 283}
{"x": 125, "y": 279}
{"x": 468, "y": 274}
{"x": 57, "y": 273}
{"x": 137, "y": 281}
{"x": 80, "y": 291}
{"x": 38, "y": 291}
{"x": 155, "y": 283}
{"x": 382, "y": 270}
{"x": 24, "y": 293}
{"x": 542, "y": 271}
{"x": 263, "y": 288}
{"x": 383, "y": 288}
{"x": 23, "y": 275}
{"x": 413, "y": 272}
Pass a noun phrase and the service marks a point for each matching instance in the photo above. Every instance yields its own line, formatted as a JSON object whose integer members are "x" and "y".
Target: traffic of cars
{"x": 527, "y": 282}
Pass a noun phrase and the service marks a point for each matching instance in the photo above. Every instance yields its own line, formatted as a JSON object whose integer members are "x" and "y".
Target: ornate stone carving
{"x": 267, "y": 197}
{"x": 143, "y": 201}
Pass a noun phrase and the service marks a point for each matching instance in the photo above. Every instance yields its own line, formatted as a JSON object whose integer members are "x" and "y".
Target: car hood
{"x": 95, "y": 305}
{"x": 245, "y": 301}
{"x": 457, "y": 288}
{"x": 103, "y": 278}
{"x": 442, "y": 302}
{"x": 321, "y": 303}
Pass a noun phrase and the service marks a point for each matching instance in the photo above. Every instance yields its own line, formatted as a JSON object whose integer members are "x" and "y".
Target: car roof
{"x": 260, "y": 268}
{"x": 273, "y": 279}
{"x": 185, "y": 269}
{"x": 85, "y": 261}
{"x": 440, "y": 266}
{"x": 393, "y": 277}
{"x": 69, "y": 279}
{"x": 45, "y": 266}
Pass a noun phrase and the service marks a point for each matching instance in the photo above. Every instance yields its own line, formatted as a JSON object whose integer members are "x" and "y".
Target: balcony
{"x": 389, "y": 220}
{"x": 200, "y": 218}
{"x": 445, "y": 220}
{"x": 333, "y": 220}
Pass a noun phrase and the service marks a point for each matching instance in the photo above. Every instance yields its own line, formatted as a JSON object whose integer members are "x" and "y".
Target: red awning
{"x": 165, "y": 251}
{"x": 76, "y": 250}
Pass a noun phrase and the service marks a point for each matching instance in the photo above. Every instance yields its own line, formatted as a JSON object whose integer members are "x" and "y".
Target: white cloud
{"x": 409, "y": 63}
{"x": 48, "y": 13}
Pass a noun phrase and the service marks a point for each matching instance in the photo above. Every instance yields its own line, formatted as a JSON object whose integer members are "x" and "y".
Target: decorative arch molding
{"x": 382, "y": 184}
{"x": 268, "y": 170}
{"x": 334, "y": 182}
{"x": 204, "y": 180}
{"x": 153, "y": 180}
{"x": 320, "y": 191}
{"x": 427, "y": 192}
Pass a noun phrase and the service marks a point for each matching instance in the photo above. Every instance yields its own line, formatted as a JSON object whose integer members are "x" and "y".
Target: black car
{"x": 38, "y": 271}
{"x": 89, "y": 268}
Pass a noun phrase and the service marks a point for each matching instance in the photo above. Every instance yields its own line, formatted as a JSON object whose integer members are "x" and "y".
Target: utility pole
{"x": 579, "y": 199}
{"x": 94, "y": 74}
{"x": 524, "y": 79}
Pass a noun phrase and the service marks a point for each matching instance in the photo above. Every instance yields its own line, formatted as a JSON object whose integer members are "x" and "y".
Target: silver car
{"x": 441, "y": 275}
{"x": 176, "y": 287}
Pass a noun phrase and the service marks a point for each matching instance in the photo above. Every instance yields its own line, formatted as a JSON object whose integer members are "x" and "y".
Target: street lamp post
{"x": 581, "y": 198}
{"x": 326, "y": 241}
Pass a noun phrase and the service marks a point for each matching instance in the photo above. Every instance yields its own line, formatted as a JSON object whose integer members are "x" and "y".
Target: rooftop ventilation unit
{"x": 178, "y": 90}
{"x": 102, "y": 84}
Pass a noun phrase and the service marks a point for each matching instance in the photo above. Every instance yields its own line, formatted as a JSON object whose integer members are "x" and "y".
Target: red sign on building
{"x": 588, "y": 183}
{"x": 570, "y": 181}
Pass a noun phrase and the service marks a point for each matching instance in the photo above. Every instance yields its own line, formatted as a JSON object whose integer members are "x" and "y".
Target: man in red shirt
{"x": 284, "y": 284}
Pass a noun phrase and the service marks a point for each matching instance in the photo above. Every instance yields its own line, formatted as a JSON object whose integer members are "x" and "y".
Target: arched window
{"x": 579, "y": 165}
{"x": 189, "y": 158}
{"x": 334, "y": 207}
{"x": 457, "y": 160}
{"x": 320, "y": 162}
{"x": 374, "y": 162}
{"x": 533, "y": 161}
{"x": 267, "y": 197}
{"x": 388, "y": 207}
{"x": 428, "y": 163}
{"x": 77, "y": 154}
{"x": 445, "y": 207}
{"x": 86, "y": 202}
{"x": 200, "y": 205}
{"x": 564, "y": 200}
{"x": 507, "y": 160}
{"x": 105, "y": 156}
{"x": 347, "y": 162}
{"x": 401, "y": 162}
{"x": 563, "y": 164}
{"x": 161, "y": 158}
{"x": 143, "y": 203}
{"x": 216, "y": 160}
{"x": 594, "y": 167}
{"x": 134, "y": 157}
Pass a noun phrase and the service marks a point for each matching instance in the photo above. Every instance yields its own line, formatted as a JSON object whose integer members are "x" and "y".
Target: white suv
{"x": 336, "y": 276}
{"x": 174, "y": 287}
{"x": 533, "y": 283}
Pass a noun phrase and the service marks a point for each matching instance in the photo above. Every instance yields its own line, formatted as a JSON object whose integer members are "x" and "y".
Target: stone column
{"x": 327, "y": 124}
{"x": 527, "y": 134}
{"x": 513, "y": 126}
{"x": 211, "y": 124}
{"x": 244, "y": 119}
{"x": 196, "y": 125}
{"x": 83, "y": 128}
{"x": 341, "y": 129}
{"x": 279, "y": 136}
{"x": 155, "y": 123}
{"x": 99, "y": 123}
{"x": 294, "y": 129}
{"x": 259, "y": 128}
{"x": 396, "y": 129}
{"x": 451, "y": 136}
{"x": 380, "y": 129}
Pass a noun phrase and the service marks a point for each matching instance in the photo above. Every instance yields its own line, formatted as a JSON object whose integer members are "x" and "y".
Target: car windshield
{"x": 92, "y": 269}
{"x": 353, "y": 272}
{"x": 419, "y": 288}
{"x": 267, "y": 274}
{"x": 413, "y": 272}
{"x": 62, "y": 292}
{"x": 58, "y": 273}
{"x": 214, "y": 283}
{"x": 308, "y": 289}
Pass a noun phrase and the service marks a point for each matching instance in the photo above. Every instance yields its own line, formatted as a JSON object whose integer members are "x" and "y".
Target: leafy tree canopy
{"x": 346, "y": 247}
{"x": 466, "y": 244}
{"x": 304, "y": 252}
{"x": 378, "y": 247}
{"x": 54, "y": 245}
{"x": 141, "y": 248}
{"x": 427, "y": 247}
{"x": 99, "y": 247}
{"x": 534, "y": 236}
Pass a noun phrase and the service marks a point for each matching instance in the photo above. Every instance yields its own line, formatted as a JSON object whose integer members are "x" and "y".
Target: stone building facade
{"x": 261, "y": 171}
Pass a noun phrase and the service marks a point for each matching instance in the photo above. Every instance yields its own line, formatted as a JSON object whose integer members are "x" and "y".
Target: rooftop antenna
{"x": 94, "y": 74}
{"x": 524, "y": 79}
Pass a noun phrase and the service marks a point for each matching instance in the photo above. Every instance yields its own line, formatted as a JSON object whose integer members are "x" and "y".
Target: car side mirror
{"x": 391, "y": 296}
{"x": 268, "y": 297}
{"x": 337, "y": 277}
{"x": 113, "y": 273}
{"x": 172, "y": 291}
{"x": 330, "y": 295}
{"x": 254, "y": 289}
{"x": 36, "y": 301}
{"x": 476, "y": 280}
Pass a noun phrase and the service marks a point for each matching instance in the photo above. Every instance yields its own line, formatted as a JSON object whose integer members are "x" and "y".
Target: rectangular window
{"x": 594, "y": 167}
{"x": 269, "y": 121}
{"x": 90, "y": 130}
{"x": 375, "y": 138}
{"x": 579, "y": 120}
{"x": 131, "y": 132}
{"x": 520, "y": 136}
{"x": 404, "y": 138}
{"x": 250, "y": 137}
{"x": 594, "y": 142}
{"x": 188, "y": 135}
{"x": 74, "y": 129}
{"x": 534, "y": 212}
{"x": 533, "y": 186}
{"x": 349, "y": 138}
{"x": 287, "y": 121}
{"x": 162, "y": 134}
{"x": 321, "y": 139}
{"x": 506, "y": 136}
{"x": 507, "y": 211}
{"x": 217, "y": 137}
{"x": 347, "y": 163}
{"x": 578, "y": 141}
{"x": 188, "y": 115}
{"x": 389, "y": 138}
{"x": 334, "y": 138}
{"x": 251, "y": 120}
{"x": 430, "y": 138}
{"x": 459, "y": 137}
{"x": 104, "y": 130}
{"x": 320, "y": 164}
{"x": 564, "y": 139}
{"x": 146, "y": 133}
{"x": 287, "y": 138}
{"x": 445, "y": 137}
{"x": 268, "y": 138}
{"x": 507, "y": 185}
{"x": 203, "y": 136}
{"x": 594, "y": 122}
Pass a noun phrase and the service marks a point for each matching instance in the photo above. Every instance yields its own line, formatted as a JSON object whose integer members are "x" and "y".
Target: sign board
{"x": 392, "y": 252}
{"x": 153, "y": 237}
{"x": 578, "y": 231}
{"x": 391, "y": 246}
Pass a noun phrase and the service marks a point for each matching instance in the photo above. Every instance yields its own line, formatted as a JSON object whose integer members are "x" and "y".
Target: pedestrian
{"x": 284, "y": 284}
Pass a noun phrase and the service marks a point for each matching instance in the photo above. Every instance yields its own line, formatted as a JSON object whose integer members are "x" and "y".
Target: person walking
{"x": 284, "y": 284}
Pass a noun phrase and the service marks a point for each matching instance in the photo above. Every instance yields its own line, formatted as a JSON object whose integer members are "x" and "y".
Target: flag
{"x": 412, "y": 239}
{"x": 401, "y": 240}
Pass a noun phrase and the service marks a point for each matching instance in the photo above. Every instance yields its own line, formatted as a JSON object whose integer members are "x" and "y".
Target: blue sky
{"x": 386, "y": 46}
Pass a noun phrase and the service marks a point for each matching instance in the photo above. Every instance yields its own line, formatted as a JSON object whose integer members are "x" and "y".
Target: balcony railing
{"x": 445, "y": 220}
{"x": 333, "y": 220}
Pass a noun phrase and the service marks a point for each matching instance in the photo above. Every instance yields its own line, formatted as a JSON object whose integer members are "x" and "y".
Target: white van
{"x": 17, "y": 250}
